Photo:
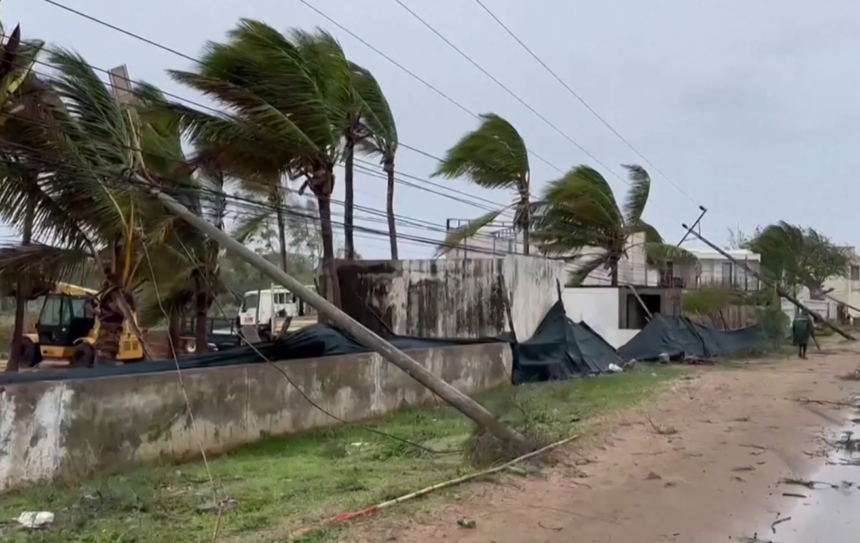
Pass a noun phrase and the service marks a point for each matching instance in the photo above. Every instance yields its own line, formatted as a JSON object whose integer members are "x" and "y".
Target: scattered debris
{"x": 853, "y": 376}
{"x": 778, "y": 521}
{"x": 216, "y": 505}
{"x": 803, "y": 482}
{"x": 753, "y": 446}
{"x": 34, "y": 520}
{"x": 653, "y": 476}
{"x": 553, "y": 528}
{"x": 467, "y": 523}
{"x": 738, "y": 479}
{"x": 793, "y": 495}
{"x": 743, "y": 468}
{"x": 823, "y": 402}
{"x": 662, "y": 430}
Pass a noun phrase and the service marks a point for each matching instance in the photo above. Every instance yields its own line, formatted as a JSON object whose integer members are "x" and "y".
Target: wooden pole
{"x": 451, "y": 395}
{"x": 779, "y": 291}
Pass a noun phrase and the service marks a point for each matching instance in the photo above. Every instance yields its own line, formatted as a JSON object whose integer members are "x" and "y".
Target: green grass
{"x": 281, "y": 484}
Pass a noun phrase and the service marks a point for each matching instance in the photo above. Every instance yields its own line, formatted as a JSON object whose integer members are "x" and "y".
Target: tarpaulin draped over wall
{"x": 679, "y": 337}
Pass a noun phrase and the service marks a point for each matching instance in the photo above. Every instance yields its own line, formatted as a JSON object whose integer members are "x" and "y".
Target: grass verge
{"x": 273, "y": 487}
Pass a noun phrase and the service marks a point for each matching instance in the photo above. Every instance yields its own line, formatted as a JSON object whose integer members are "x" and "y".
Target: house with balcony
{"x": 715, "y": 269}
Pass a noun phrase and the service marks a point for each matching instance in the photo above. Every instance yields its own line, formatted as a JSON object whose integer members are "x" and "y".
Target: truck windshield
{"x": 251, "y": 301}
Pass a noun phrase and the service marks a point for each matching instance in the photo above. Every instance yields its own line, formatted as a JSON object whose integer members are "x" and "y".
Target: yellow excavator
{"x": 67, "y": 329}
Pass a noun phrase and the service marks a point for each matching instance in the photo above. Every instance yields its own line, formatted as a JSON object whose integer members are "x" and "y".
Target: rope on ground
{"x": 345, "y": 517}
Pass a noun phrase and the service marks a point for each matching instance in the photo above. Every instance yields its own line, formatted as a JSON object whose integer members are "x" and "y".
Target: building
{"x": 714, "y": 269}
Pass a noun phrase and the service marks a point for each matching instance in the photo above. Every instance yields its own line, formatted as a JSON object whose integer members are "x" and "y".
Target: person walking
{"x": 801, "y": 330}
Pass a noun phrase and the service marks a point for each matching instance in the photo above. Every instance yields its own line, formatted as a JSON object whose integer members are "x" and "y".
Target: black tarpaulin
{"x": 561, "y": 349}
{"x": 679, "y": 337}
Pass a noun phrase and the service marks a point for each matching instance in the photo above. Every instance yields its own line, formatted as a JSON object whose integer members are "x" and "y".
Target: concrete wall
{"x": 450, "y": 297}
{"x": 69, "y": 430}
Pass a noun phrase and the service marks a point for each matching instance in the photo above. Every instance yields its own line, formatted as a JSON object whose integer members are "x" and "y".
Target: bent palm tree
{"x": 579, "y": 210}
{"x": 381, "y": 138}
{"x": 86, "y": 162}
{"x": 288, "y": 98}
{"x": 493, "y": 156}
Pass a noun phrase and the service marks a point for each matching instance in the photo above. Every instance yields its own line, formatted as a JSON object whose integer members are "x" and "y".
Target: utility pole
{"x": 695, "y": 224}
{"x": 761, "y": 279}
{"x": 451, "y": 395}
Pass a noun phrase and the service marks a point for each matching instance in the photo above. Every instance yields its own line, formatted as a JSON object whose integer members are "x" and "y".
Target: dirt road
{"x": 702, "y": 463}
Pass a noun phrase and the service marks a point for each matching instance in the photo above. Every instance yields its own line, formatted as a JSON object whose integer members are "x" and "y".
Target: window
{"x": 52, "y": 311}
{"x": 81, "y": 308}
{"x": 251, "y": 301}
{"x": 855, "y": 273}
{"x": 728, "y": 274}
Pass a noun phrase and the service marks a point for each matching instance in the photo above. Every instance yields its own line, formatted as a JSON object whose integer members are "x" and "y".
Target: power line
{"x": 580, "y": 99}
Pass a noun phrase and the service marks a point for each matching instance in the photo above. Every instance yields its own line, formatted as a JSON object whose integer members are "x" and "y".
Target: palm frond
{"x": 665, "y": 252}
{"x": 375, "y": 114}
{"x": 45, "y": 262}
{"x": 492, "y": 156}
{"x": 576, "y": 211}
{"x": 455, "y": 238}
{"x": 652, "y": 235}
{"x": 584, "y": 269}
{"x": 637, "y": 196}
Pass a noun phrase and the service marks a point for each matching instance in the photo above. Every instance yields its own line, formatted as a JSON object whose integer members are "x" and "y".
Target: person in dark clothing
{"x": 801, "y": 330}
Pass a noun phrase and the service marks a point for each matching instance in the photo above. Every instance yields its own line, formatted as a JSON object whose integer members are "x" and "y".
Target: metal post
{"x": 779, "y": 291}
{"x": 326, "y": 309}
{"x": 695, "y": 224}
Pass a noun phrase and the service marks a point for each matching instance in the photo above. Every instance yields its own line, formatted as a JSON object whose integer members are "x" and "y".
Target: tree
{"x": 184, "y": 263}
{"x": 86, "y": 165}
{"x": 793, "y": 256}
{"x": 493, "y": 156}
{"x": 579, "y": 210}
{"x": 380, "y": 139}
{"x": 287, "y": 99}
{"x": 21, "y": 100}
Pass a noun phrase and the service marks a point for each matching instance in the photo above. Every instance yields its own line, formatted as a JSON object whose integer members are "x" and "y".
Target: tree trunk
{"x": 388, "y": 166}
{"x": 201, "y": 330}
{"x": 110, "y": 319}
{"x": 349, "y": 198}
{"x": 614, "y": 273}
{"x": 525, "y": 220}
{"x": 21, "y": 294}
{"x": 174, "y": 334}
{"x": 282, "y": 235}
{"x": 322, "y": 185}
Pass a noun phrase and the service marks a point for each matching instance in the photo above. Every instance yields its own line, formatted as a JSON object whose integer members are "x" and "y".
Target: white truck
{"x": 269, "y": 309}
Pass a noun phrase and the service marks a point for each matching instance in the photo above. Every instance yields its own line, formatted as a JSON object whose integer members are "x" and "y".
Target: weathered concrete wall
{"x": 68, "y": 430}
{"x": 450, "y": 297}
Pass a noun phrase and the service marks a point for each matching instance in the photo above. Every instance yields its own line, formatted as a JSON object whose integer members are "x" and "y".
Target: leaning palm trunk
{"x": 525, "y": 217}
{"x": 21, "y": 294}
{"x": 388, "y": 166}
{"x": 110, "y": 314}
{"x": 349, "y": 197}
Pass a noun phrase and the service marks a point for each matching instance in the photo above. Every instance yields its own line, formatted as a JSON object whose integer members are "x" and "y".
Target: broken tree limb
{"x": 451, "y": 395}
{"x": 781, "y": 292}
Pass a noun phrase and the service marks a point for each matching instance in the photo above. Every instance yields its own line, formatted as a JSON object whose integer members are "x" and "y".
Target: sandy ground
{"x": 702, "y": 463}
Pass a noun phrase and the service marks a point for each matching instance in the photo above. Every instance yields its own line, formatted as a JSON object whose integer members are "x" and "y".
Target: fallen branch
{"x": 662, "y": 430}
{"x": 345, "y": 517}
{"x": 778, "y": 521}
{"x": 823, "y": 402}
{"x": 808, "y": 484}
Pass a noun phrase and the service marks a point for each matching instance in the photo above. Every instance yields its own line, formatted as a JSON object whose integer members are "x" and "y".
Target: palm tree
{"x": 380, "y": 140}
{"x": 579, "y": 210}
{"x": 184, "y": 263}
{"x": 287, "y": 99}
{"x": 493, "y": 156}
{"x": 85, "y": 166}
{"x": 370, "y": 125}
{"x": 20, "y": 100}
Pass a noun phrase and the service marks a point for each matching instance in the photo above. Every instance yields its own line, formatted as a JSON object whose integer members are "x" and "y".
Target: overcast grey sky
{"x": 750, "y": 107}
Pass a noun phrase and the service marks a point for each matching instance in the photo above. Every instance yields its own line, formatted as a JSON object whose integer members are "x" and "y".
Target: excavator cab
{"x": 67, "y": 328}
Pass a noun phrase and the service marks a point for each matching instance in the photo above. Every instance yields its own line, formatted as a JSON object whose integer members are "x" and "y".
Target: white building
{"x": 496, "y": 241}
{"x": 714, "y": 269}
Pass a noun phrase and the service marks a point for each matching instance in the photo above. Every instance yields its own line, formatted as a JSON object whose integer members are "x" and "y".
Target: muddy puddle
{"x": 826, "y": 506}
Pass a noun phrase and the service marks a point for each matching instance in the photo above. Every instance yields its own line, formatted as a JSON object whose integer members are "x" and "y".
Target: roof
{"x": 710, "y": 254}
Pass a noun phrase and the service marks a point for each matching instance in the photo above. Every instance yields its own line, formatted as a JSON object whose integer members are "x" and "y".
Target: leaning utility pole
{"x": 451, "y": 395}
{"x": 779, "y": 291}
